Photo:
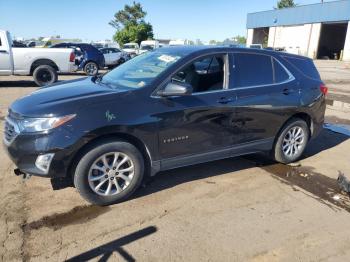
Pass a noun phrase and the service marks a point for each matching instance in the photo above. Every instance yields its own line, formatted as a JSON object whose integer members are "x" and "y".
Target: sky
{"x": 171, "y": 19}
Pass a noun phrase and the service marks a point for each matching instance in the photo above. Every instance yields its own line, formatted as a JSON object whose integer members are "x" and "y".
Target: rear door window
{"x": 252, "y": 70}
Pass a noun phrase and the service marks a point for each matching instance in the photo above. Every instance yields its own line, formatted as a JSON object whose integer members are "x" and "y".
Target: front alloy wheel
{"x": 111, "y": 173}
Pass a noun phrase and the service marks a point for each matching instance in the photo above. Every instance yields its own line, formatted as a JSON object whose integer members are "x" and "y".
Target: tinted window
{"x": 305, "y": 66}
{"x": 280, "y": 73}
{"x": 252, "y": 70}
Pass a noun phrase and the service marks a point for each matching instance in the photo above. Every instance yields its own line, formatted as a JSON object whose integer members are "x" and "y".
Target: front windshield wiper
{"x": 99, "y": 80}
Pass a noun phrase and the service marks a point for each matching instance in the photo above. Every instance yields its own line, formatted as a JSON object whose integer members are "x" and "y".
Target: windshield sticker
{"x": 109, "y": 116}
{"x": 167, "y": 58}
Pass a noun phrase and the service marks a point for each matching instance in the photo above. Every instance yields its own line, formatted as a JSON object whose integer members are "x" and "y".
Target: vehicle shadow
{"x": 25, "y": 83}
{"x": 171, "y": 178}
{"x": 107, "y": 249}
{"x": 17, "y": 83}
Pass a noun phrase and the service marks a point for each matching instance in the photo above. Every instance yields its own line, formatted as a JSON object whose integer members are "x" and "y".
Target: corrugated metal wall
{"x": 307, "y": 14}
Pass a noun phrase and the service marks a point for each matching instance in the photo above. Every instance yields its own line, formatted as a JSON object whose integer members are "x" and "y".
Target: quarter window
{"x": 280, "y": 73}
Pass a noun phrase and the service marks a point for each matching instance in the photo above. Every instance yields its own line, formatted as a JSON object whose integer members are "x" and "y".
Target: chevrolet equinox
{"x": 164, "y": 109}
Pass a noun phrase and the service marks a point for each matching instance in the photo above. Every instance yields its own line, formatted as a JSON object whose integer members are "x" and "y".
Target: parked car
{"x": 35, "y": 43}
{"x": 158, "y": 111}
{"x": 91, "y": 58}
{"x": 16, "y": 43}
{"x": 148, "y": 45}
{"x": 43, "y": 64}
{"x": 131, "y": 48}
{"x": 114, "y": 56}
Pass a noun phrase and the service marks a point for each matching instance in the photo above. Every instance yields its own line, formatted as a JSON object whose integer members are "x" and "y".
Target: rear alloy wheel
{"x": 109, "y": 172}
{"x": 44, "y": 75}
{"x": 292, "y": 141}
{"x": 91, "y": 69}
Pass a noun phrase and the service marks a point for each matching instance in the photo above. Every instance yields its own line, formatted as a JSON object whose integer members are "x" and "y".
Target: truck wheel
{"x": 291, "y": 141}
{"x": 44, "y": 75}
{"x": 109, "y": 172}
{"x": 91, "y": 69}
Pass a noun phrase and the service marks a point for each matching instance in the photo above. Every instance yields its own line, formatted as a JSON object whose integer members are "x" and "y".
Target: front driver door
{"x": 199, "y": 123}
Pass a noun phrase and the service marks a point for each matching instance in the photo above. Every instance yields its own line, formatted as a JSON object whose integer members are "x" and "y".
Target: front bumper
{"x": 25, "y": 149}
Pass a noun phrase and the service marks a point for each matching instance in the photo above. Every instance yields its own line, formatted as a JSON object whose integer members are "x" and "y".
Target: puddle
{"x": 322, "y": 188}
{"x": 76, "y": 215}
{"x": 338, "y": 128}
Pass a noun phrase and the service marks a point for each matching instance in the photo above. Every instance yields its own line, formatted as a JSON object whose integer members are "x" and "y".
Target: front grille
{"x": 10, "y": 131}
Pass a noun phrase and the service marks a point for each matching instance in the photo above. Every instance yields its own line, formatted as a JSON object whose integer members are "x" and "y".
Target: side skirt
{"x": 237, "y": 150}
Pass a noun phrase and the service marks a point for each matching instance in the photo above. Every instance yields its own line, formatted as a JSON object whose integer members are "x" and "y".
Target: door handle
{"x": 225, "y": 100}
{"x": 3, "y": 51}
{"x": 286, "y": 91}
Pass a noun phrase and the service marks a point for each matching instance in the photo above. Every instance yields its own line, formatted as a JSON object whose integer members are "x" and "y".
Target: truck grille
{"x": 10, "y": 131}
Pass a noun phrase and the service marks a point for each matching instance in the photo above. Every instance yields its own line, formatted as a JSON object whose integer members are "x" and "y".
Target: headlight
{"x": 43, "y": 124}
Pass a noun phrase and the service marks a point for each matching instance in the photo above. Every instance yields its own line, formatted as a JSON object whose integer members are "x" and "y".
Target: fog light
{"x": 43, "y": 162}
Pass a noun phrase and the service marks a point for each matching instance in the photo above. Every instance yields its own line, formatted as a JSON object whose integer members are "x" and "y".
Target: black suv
{"x": 165, "y": 109}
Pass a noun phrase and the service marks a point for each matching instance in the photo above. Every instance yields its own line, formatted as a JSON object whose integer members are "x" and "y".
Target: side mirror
{"x": 176, "y": 89}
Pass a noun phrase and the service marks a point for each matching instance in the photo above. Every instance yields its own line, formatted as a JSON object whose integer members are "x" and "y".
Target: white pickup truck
{"x": 42, "y": 63}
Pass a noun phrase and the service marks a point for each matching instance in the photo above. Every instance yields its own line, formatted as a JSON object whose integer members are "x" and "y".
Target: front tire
{"x": 44, "y": 75}
{"x": 291, "y": 141}
{"x": 109, "y": 172}
{"x": 91, "y": 69}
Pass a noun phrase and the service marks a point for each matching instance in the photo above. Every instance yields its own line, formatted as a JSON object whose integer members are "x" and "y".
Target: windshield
{"x": 141, "y": 70}
{"x": 147, "y": 47}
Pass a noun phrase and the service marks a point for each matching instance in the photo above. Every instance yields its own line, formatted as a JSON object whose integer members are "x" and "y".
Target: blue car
{"x": 90, "y": 59}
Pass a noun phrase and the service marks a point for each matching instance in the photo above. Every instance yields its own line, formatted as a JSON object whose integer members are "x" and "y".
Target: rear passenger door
{"x": 266, "y": 94}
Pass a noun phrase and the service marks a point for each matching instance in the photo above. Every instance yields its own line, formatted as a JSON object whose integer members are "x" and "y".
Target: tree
{"x": 240, "y": 40}
{"x": 130, "y": 25}
{"x": 285, "y": 4}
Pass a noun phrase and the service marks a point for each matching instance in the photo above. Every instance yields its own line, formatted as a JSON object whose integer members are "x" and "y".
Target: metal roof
{"x": 305, "y": 14}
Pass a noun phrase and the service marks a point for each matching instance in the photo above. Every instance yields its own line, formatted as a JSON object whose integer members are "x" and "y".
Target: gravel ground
{"x": 246, "y": 208}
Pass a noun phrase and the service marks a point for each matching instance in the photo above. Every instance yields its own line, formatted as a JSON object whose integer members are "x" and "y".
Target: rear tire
{"x": 91, "y": 69}
{"x": 291, "y": 141}
{"x": 44, "y": 75}
{"x": 98, "y": 165}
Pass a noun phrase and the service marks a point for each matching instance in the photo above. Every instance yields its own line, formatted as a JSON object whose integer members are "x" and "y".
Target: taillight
{"x": 324, "y": 89}
{"x": 72, "y": 57}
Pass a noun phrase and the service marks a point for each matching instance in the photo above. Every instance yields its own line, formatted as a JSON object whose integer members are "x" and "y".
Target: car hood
{"x": 62, "y": 98}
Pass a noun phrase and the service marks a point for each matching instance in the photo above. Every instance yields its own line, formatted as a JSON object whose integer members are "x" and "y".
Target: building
{"x": 319, "y": 31}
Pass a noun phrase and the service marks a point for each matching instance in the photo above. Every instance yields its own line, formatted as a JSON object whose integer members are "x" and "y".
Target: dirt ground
{"x": 238, "y": 209}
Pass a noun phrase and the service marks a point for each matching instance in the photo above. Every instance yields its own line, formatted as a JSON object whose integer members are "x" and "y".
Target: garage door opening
{"x": 261, "y": 36}
{"x": 332, "y": 40}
